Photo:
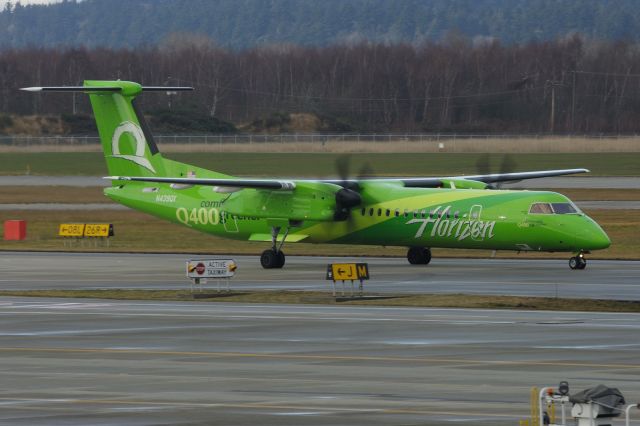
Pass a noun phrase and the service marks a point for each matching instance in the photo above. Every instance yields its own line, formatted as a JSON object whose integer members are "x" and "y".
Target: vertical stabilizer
{"x": 128, "y": 145}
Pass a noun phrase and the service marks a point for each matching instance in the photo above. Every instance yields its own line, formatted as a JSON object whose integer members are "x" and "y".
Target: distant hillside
{"x": 245, "y": 23}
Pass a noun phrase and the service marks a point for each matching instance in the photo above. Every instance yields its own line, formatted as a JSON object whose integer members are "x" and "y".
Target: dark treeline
{"x": 565, "y": 86}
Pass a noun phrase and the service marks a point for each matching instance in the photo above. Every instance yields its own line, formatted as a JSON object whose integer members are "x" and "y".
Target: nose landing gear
{"x": 578, "y": 262}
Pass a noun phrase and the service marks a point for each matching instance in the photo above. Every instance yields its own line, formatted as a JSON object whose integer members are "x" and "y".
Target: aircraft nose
{"x": 592, "y": 237}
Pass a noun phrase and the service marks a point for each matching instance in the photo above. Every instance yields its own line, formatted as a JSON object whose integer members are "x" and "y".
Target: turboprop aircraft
{"x": 418, "y": 213}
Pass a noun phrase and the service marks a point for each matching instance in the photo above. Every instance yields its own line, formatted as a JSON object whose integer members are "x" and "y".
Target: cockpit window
{"x": 553, "y": 208}
{"x": 563, "y": 208}
{"x": 541, "y": 208}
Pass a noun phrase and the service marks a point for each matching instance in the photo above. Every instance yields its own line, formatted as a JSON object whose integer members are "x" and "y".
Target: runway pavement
{"x": 103, "y": 363}
{"x": 603, "y": 279}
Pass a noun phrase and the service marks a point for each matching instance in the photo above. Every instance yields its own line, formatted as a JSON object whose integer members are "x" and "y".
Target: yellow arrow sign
{"x": 344, "y": 271}
{"x": 347, "y": 271}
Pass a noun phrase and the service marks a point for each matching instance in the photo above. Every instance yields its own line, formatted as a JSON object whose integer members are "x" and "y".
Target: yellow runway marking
{"x": 322, "y": 357}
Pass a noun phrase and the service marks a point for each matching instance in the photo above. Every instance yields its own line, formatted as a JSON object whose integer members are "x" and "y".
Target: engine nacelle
{"x": 316, "y": 201}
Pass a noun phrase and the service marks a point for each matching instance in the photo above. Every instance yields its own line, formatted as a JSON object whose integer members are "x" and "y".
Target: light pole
{"x": 552, "y": 118}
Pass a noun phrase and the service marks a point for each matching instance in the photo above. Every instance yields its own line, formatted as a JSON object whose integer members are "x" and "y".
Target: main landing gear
{"x": 419, "y": 255}
{"x": 274, "y": 257}
{"x": 578, "y": 262}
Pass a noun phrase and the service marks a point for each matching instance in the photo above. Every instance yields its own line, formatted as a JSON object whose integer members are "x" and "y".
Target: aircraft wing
{"x": 411, "y": 182}
{"x": 495, "y": 177}
{"x": 434, "y": 182}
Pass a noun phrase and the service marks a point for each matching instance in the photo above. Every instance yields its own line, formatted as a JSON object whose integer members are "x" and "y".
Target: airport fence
{"x": 453, "y": 142}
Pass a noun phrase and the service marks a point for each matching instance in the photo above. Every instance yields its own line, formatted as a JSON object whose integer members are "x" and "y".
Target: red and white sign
{"x": 211, "y": 268}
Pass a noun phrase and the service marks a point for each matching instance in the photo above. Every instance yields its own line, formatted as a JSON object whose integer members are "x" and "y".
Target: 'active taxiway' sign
{"x": 211, "y": 268}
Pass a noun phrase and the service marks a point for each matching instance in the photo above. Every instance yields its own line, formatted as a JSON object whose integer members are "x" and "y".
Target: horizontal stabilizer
{"x": 101, "y": 89}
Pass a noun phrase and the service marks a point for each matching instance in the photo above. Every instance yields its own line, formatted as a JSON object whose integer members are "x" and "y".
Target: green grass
{"x": 303, "y": 297}
{"x": 323, "y": 165}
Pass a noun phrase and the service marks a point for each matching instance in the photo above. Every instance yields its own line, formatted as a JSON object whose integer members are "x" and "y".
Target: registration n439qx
{"x": 418, "y": 213}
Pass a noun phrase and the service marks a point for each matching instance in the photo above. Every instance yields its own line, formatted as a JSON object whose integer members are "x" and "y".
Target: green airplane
{"x": 418, "y": 213}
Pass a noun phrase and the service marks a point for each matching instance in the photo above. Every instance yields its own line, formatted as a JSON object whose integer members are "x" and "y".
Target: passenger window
{"x": 415, "y": 214}
{"x": 541, "y": 208}
{"x": 388, "y": 212}
{"x": 379, "y": 212}
{"x": 371, "y": 212}
{"x": 406, "y": 213}
{"x": 423, "y": 213}
{"x": 363, "y": 211}
{"x": 397, "y": 212}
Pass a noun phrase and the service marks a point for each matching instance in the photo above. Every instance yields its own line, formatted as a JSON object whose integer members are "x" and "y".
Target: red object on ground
{"x": 15, "y": 229}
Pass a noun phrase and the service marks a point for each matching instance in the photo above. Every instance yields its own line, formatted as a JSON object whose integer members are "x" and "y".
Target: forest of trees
{"x": 570, "y": 85}
{"x": 241, "y": 24}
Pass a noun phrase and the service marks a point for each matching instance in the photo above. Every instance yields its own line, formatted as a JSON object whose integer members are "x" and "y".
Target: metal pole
{"x": 540, "y": 413}
{"x": 573, "y": 103}
{"x": 626, "y": 413}
{"x": 553, "y": 107}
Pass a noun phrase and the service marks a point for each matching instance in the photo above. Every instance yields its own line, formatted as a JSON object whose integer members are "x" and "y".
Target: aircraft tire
{"x": 281, "y": 259}
{"x": 269, "y": 259}
{"x": 577, "y": 262}
{"x": 582, "y": 263}
{"x": 419, "y": 255}
{"x": 426, "y": 256}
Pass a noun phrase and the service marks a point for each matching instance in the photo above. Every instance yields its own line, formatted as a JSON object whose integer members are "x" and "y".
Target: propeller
{"x": 507, "y": 165}
{"x": 349, "y": 196}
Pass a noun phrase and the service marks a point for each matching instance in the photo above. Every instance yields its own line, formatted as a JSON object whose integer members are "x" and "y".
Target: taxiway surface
{"x": 603, "y": 279}
{"x": 142, "y": 363}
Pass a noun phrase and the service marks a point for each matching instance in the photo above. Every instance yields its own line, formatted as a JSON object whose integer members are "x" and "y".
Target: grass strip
{"x": 320, "y": 298}
{"x": 316, "y": 165}
{"x": 52, "y": 194}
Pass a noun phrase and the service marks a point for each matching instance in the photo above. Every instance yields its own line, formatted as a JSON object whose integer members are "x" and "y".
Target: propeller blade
{"x": 348, "y": 197}
{"x": 483, "y": 165}
{"x": 342, "y": 166}
{"x": 366, "y": 171}
{"x": 508, "y": 165}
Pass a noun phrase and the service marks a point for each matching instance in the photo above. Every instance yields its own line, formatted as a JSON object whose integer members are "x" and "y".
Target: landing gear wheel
{"x": 419, "y": 256}
{"x": 426, "y": 256}
{"x": 270, "y": 259}
{"x": 577, "y": 262}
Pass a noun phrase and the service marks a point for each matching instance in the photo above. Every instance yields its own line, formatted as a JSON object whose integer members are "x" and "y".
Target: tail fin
{"x": 128, "y": 145}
